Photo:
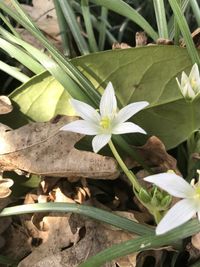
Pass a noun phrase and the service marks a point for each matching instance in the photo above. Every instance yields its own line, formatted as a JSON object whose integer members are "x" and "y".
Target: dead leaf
{"x": 44, "y": 14}
{"x": 5, "y": 105}
{"x": 41, "y": 148}
{"x": 73, "y": 239}
{"x": 154, "y": 154}
{"x": 5, "y": 184}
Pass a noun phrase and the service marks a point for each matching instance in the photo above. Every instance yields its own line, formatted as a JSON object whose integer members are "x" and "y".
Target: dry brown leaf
{"x": 5, "y": 184}
{"x": 154, "y": 154}
{"x": 5, "y": 105}
{"x": 44, "y": 14}
{"x": 72, "y": 239}
{"x": 41, "y": 148}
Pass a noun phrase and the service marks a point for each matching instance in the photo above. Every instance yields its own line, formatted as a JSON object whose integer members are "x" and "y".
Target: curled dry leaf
{"x": 41, "y": 148}
{"x": 5, "y": 105}
{"x": 5, "y": 184}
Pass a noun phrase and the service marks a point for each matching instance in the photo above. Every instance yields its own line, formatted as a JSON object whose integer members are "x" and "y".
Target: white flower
{"x": 190, "y": 86}
{"x": 108, "y": 122}
{"x": 184, "y": 209}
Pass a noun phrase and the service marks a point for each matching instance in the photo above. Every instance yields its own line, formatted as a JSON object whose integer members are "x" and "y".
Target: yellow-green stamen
{"x": 105, "y": 123}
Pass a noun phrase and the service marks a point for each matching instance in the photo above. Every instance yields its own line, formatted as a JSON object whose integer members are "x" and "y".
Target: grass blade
{"x": 63, "y": 28}
{"x": 21, "y": 56}
{"x": 161, "y": 18}
{"x": 14, "y": 72}
{"x": 196, "y": 10}
{"x": 102, "y": 28}
{"x": 88, "y": 25}
{"x": 84, "y": 86}
{"x": 124, "y": 9}
{"x": 95, "y": 213}
{"x": 192, "y": 51}
{"x": 143, "y": 243}
{"x": 74, "y": 27}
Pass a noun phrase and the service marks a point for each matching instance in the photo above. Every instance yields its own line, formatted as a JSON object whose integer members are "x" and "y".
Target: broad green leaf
{"x": 148, "y": 73}
{"x": 138, "y": 74}
{"x": 42, "y": 97}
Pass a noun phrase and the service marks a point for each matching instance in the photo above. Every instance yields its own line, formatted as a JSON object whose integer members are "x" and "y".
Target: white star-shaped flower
{"x": 184, "y": 209}
{"x": 190, "y": 85}
{"x": 107, "y": 122}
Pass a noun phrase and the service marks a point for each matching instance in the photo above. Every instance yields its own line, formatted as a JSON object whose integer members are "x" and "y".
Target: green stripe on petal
{"x": 100, "y": 141}
{"x": 82, "y": 127}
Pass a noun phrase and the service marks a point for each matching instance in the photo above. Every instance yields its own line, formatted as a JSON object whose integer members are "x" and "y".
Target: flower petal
{"x": 180, "y": 213}
{"x": 127, "y": 127}
{"x": 194, "y": 74}
{"x": 100, "y": 141}
{"x": 82, "y": 127}
{"x": 129, "y": 110}
{"x": 172, "y": 183}
{"x": 85, "y": 111}
{"x": 108, "y": 103}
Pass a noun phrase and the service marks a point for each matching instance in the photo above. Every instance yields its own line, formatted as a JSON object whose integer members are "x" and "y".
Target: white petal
{"x": 108, "y": 103}
{"x": 100, "y": 141}
{"x": 129, "y": 110}
{"x": 172, "y": 183}
{"x": 180, "y": 213}
{"x": 188, "y": 91}
{"x": 194, "y": 74}
{"x": 127, "y": 127}
{"x": 82, "y": 127}
{"x": 85, "y": 111}
{"x": 184, "y": 79}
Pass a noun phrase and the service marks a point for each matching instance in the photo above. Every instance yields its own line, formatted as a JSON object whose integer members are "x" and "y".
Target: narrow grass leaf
{"x": 102, "y": 27}
{"x": 14, "y": 72}
{"x": 196, "y": 10}
{"x": 95, "y": 213}
{"x": 126, "y": 10}
{"x": 161, "y": 18}
{"x": 17, "y": 52}
{"x": 63, "y": 28}
{"x": 192, "y": 51}
{"x": 74, "y": 27}
{"x": 88, "y": 26}
{"x": 84, "y": 85}
{"x": 143, "y": 243}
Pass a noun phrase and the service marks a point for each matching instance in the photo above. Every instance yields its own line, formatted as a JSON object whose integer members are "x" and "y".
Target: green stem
{"x": 136, "y": 186}
{"x": 129, "y": 174}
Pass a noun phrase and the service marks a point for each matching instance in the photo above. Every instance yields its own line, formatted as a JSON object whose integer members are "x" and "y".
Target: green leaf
{"x": 95, "y": 213}
{"x": 42, "y": 97}
{"x": 148, "y": 73}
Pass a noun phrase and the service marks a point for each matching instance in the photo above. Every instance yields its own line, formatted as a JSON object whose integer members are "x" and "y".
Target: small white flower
{"x": 108, "y": 122}
{"x": 183, "y": 210}
{"x": 190, "y": 85}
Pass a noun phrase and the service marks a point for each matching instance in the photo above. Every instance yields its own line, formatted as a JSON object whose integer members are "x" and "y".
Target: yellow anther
{"x": 105, "y": 122}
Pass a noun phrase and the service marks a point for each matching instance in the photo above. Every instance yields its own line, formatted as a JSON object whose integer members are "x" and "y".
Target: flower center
{"x": 193, "y": 82}
{"x": 105, "y": 122}
{"x": 197, "y": 192}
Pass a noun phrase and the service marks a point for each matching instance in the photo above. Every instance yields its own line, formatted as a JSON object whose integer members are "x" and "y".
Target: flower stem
{"x": 128, "y": 173}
